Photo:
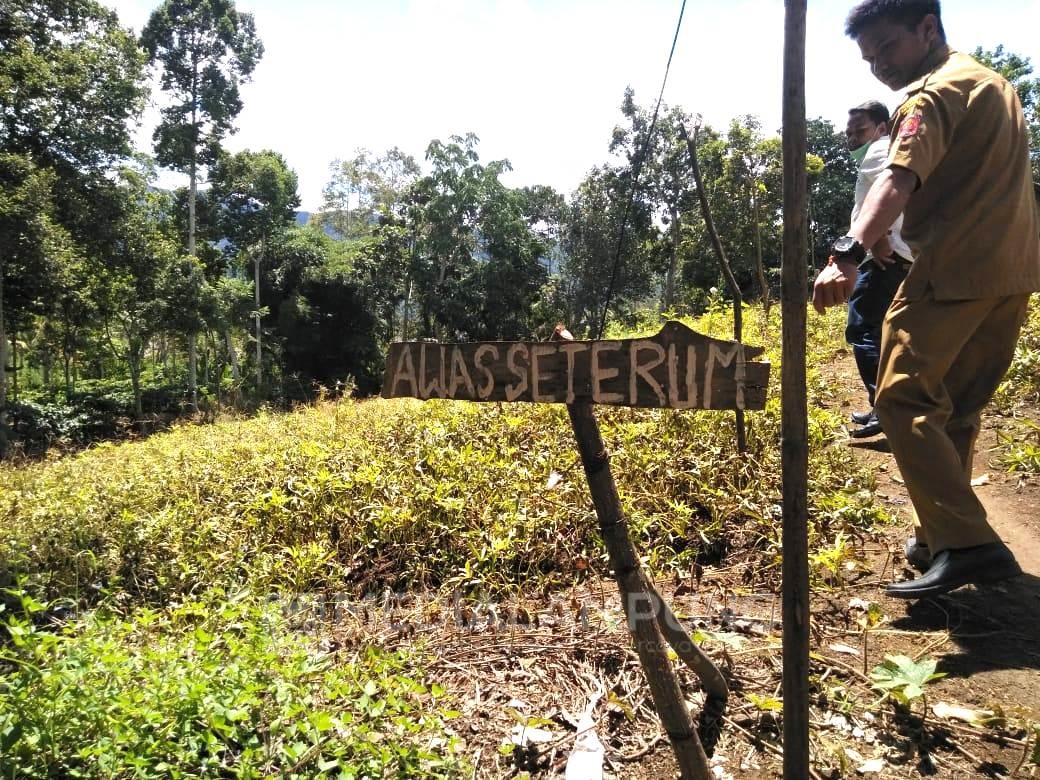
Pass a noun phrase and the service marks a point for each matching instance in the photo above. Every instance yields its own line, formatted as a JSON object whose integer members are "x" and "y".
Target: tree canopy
{"x": 220, "y": 289}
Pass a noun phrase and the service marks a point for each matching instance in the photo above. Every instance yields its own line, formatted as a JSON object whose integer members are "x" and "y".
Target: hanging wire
{"x": 635, "y": 180}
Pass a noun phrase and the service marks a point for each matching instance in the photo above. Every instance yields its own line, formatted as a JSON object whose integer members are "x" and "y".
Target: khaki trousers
{"x": 941, "y": 362}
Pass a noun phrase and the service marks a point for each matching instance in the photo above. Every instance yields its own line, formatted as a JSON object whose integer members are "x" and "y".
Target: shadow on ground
{"x": 875, "y": 445}
{"x": 994, "y": 626}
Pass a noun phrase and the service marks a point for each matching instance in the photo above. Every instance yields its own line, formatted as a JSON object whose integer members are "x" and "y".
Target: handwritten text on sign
{"x": 677, "y": 368}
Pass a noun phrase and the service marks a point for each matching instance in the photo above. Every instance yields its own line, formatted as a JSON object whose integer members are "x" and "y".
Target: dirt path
{"x": 1014, "y": 513}
{"x": 992, "y": 657}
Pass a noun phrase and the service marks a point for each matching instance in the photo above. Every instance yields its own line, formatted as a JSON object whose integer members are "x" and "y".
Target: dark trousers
{"x": 873, "y": 294}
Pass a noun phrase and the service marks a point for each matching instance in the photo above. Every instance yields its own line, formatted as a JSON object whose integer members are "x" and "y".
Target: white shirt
{"x": 873, "y": 164}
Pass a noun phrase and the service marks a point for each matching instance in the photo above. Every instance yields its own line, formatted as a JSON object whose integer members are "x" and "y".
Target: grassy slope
{"x": 397, "y": 493}
{"x": 178, "y": 539}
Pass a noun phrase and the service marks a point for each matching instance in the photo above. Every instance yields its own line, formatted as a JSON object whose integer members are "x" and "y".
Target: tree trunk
{"x": 193, "y": 371}
{"x": 193, "y": 358}
{"x": 406, "y": 311}
{"x": 193, "y": 165}
{"x": 673, "y": 259}
{"x": 3, "y": 350}
{"x": 134, "y": 359}
{"x": 727, "y": 271}
{"x": 66, "y": 359}
{"x": 15, "y": 368}
{"x": 207, "y": 353}
{"x": 3, "y": 368}
{"x": 760, "y": 267}
{"x": 164, "y": 356}
{"x": 232, "y": 356}
{"x": 259, "y": 333}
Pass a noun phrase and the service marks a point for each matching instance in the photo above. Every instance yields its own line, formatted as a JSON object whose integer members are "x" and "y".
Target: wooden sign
{"x": 678, "y": 369}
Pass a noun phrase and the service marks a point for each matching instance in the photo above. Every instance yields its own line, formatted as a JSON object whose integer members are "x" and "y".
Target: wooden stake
{"x": 794, "y": 415}
{"x": 720, "y": 254}
{"x": 638, "y": 603}
{"x": 714, "y": 682}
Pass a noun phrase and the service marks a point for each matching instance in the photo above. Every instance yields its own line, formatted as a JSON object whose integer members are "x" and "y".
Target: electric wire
{"x": 635, "y": 179}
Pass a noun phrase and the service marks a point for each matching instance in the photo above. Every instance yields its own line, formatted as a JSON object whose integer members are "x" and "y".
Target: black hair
{"x": 905, "y": 12}
{"x": 875, "y": 111}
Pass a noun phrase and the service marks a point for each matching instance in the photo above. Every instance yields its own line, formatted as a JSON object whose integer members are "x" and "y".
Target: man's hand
{"x": 834, "y": 284}
{"x": 882, "y": 252}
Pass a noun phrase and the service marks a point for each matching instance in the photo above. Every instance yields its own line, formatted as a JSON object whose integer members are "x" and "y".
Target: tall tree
{"x": 29, "y": 243}
{"x": 364, "y": 189}
{"x": 589, "y": 240}
{"x": 256, "y": 195}
{"x": 665, "y": 181}
{"x": 752, "y": 173}
{"x": 140, "y": 284}
{"x": 368, "y": 202}
{"x": 478, "y": 260}
{"x": 325, "y": 322}
{"x": 71, "y": 79}
{"x": 206, "y": 49}
{"x": 832, "y": 183}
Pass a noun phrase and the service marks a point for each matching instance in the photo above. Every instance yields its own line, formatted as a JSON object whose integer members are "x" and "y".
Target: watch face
{"x": 844, "y": 244}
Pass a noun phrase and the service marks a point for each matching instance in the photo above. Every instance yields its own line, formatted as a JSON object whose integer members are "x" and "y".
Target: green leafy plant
{"x": 765, "y": 703}
{"x": 215, "y": 686}
{"x": 903, "y": 679}
{"x": 1022, "y": 450}
{"x": 828, "y": 562}
{"x": 154, "y": 536}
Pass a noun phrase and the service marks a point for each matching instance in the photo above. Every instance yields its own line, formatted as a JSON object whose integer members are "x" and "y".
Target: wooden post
{"x": 720, "y": 254}
{"x": 640, "y": 608}
{"x": 794, "y": 425}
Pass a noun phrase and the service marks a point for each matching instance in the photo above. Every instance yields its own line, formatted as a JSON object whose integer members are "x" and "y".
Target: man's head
{"x": 867, "y": 123}
{"x": 896, "y": 37}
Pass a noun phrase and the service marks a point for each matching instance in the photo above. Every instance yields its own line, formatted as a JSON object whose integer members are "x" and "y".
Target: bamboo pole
{"x": 794, "y": 424}
{"x": 720, "y": 254}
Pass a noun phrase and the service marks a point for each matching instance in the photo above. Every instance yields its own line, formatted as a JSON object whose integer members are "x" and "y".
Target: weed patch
{"x": 214, "y": 686}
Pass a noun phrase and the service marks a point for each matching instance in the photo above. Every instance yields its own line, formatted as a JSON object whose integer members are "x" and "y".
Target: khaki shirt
{"x": 973, "y": 222}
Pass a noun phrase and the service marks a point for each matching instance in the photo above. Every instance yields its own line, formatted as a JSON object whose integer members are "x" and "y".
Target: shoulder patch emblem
{"x": 910, "y": 126}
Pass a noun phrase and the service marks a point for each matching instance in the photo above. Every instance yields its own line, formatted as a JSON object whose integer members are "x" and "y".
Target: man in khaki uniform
{"x": 958, "y": 169}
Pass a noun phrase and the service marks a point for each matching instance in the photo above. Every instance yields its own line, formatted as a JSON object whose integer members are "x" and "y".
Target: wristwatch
{"x": 847, "y": 247}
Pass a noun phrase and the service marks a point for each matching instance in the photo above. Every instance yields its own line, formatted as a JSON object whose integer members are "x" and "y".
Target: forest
{"x": 125, "y": 305}
{"x": 120, "y": 300}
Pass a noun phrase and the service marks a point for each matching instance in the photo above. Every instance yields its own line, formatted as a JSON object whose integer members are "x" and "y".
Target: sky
{"x": 540, "y": 82}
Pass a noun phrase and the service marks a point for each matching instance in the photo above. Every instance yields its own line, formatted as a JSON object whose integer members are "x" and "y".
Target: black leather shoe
{"x": 952, "y": 568}
{"x": 917, "y": 554}
{"x": 871, "y": 428}
{"x": 861, "y": 418}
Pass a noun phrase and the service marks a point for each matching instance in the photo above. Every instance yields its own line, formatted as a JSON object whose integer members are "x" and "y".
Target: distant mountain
{"x": 303, "y": 217}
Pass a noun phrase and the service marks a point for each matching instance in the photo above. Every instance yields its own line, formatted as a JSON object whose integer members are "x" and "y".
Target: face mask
{"x": 859, "y": 154}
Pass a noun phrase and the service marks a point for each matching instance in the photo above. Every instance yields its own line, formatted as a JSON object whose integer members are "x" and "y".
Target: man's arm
{"x": 884, "y": 203}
